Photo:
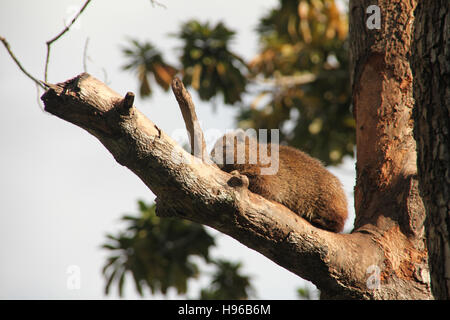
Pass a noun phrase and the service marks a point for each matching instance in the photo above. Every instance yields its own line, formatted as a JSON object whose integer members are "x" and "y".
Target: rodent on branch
{"x": 293, "y": 178}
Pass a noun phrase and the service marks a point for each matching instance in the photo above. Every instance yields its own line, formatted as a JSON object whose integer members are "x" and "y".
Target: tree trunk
{"x": 431, "y": 66}
{"x": 387, "y": 201}
{"x": 385, "y": 257}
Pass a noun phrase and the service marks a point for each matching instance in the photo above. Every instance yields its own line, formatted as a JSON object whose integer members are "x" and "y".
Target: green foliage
{"x": 209, "y": 65}
{"x": 305, "y": 293}
{"x": 156, "y": 251}
{"x": 146, "y": 60}
{"x": 304, "y": 53}
{"x": 227, "y": 283}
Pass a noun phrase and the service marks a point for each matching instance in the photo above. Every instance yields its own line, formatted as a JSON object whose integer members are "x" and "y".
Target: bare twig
{"x": 85, "y": 56}
{"x": 197, "y": 141}
{"x": 158, "y": 4}
{"x": 59, "y": 35}
{"x": 49, "y": 43}
{"x": 105, "y": 76}
{"x": 38, "y": 97}
{"x": 6, "y": 44}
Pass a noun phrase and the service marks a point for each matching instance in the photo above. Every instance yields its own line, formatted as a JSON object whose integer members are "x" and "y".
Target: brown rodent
{"x": 299, "y": 182}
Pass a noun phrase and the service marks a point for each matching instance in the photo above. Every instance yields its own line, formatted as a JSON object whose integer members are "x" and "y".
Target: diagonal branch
{"x": 201, "y": 192}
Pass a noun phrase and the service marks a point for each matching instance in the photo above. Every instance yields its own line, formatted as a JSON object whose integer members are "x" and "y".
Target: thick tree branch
{"x": 430, "y": 60}
{"x": 200, "y": 192}
{"x": 387, "y": 200}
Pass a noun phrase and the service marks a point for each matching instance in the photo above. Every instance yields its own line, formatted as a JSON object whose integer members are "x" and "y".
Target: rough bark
{"x": 387, "y": 201}
{"x": 431, "y": 66}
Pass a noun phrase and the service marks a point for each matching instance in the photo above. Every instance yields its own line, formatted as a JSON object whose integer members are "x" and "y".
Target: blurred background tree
{"x": 145, "y": 60}
{"x": 159, "y": 255}
{"x": 158, "y": 252}
{"x": 227, "y": 283}
{"x": 208, "y": 65}
{"x": 303, "y": 65}
{"x": 298, "y": 82}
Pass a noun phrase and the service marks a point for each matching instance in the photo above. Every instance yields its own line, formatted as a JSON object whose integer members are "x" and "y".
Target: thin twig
{"x": 158, "y": 3}
{"x": 85, "y": 56}
{"x": 6, "y": 44}
{"x": 105, "y": 76}
{"x": 59, "y": 35}
{"x": 38, "y": 98}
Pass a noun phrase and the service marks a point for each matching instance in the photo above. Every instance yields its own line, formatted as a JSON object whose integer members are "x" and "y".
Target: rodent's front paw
{"x": 238, "y": 180}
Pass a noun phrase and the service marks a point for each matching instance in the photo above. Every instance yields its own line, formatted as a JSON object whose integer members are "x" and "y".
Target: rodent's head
{"x": 227, "y": 147}
{"x": 239, "y": 149}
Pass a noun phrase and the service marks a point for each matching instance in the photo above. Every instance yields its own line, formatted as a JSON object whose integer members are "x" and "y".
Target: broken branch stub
{"x": 187, "y": 107}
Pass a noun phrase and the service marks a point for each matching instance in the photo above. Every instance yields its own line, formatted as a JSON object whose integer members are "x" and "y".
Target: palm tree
{"x": 227, "y": 283}
{"x": 146, "y": 60}
{"x": 209, "y": 65}
{"x": 157, "y": 252}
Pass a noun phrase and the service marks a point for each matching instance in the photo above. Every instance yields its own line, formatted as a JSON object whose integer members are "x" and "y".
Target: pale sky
{"x": 61, "y": 191}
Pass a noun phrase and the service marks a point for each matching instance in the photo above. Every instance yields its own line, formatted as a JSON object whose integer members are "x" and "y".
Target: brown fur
{"x": 301, "y": 184}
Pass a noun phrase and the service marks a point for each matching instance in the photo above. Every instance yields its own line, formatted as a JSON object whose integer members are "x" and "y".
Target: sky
{"x": 61, "y": 191}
